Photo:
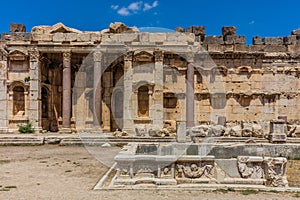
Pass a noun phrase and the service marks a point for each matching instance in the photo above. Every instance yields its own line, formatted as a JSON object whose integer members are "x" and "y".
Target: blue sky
{"x": 265, "y": 18}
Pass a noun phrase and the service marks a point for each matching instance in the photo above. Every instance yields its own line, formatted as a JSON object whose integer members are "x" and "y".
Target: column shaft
{"x": 66, "y": 90}
{"x": 158, "y": 95}
{"x": 127, "y": 93}
{"x": 35, "y": 104}
{"x": 190, "y": 96}
{"x": 97, "y": 99}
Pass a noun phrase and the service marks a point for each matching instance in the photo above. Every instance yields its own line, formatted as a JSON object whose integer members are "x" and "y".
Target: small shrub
{"x": 274, "y": 191}
{"x": 27, "y": 79}
{"x": 10, "y": 187}
{"x": 26, "y": 128}
{"x": 297, "y": 195}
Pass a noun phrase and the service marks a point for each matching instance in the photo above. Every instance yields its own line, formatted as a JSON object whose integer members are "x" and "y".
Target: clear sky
{"x": 256, "y": 17}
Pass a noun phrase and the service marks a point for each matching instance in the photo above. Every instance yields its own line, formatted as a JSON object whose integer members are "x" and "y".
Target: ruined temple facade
{"x": 62, "y": 79}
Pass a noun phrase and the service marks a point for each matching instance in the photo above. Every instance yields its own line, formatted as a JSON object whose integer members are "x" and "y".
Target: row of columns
{"x": 35, "y": 108}
{"x": 67, "y": 95}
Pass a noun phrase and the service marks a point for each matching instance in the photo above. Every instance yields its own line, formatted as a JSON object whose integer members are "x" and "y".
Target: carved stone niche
{"x": 18, "y": 61}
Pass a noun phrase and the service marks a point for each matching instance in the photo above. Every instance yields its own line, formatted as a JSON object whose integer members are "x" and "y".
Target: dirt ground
{"x": 53, "y": 172}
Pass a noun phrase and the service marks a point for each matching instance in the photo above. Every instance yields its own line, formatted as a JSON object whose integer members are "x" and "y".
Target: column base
{"x": 96, "y": 129}
{"x": 65, "y": 131}
{"x": 38, "y": 129}
{"x": 129, "y": 131}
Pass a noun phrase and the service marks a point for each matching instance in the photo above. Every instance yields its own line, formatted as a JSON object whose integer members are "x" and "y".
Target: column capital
{"x": 128, "y": 56}
{"x": 159, "y": 55}
{"x": 67, "y": 56}
{"x": 190, "y": 57}
{"x": 34, "y": 55}
{"x": 97, "y": 55}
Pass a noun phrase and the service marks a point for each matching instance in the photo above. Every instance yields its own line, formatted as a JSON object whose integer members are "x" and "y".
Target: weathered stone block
{"x": 275, "y": 48}
{"x": 234, "y": 39}
{"x": 58, "y": 37}
{"x": 21, "y": 36}
{"x": 197, "y": 30}
{"x": 157, "y": 37}
{"x": 228, "y": 30}
{"x": 42, "y": 37}
{"x": 96, "y": 37}
{"x": 241, "y": 47}
{"x": 273, "y": 40}
{"x": 213, "y": 40}
{"x": 144, "y": 37}
{"x": 70, "y": 37}
{"x": 133, "y": 37}
{"x": 181, "y": 132}
{"x": 84, "y": 37}
{"x": 17, "y": 28}
{"x": 296, "y": 32}
{"x": 215, "y": 48}
{"x": 256, "y": 40}
{"x": 292, "y": 39}
{"x": 294, "y": 48}
{"x": 179, "y": 29}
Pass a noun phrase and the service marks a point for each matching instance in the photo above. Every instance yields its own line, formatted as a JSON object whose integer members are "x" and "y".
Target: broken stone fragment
{"x": 197, "y": 30}
{"x": 229, "y": 30}
{"x": 296, "y": 32}
{"x": 179, "y": 29}
{"x": 119, "y": 27}
{"x": 56, "y": 28}
{"x": 17, "y": 28}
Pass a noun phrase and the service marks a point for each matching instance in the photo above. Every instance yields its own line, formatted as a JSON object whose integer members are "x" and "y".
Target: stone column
{"x": 35, "y": 104}
{"x": 3, "y": 95}
{"x": 66, "y": 92}
{"x": 107, "y": 81}
{"x": 127, "y": 108}
{"x": 97, "y": 97}
{"x": 190, "y": 96}
{"x": 158, "y": 95}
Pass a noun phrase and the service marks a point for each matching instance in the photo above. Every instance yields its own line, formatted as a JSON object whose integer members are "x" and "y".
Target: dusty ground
{"x": 52, "y": 172}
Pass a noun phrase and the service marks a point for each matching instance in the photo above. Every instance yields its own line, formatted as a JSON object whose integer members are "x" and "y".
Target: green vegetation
{"x": 27, "y": 79}
{"x": 10, "y": 187}
{"x": 247, "y": 192}
{"x": 26, "y": 128}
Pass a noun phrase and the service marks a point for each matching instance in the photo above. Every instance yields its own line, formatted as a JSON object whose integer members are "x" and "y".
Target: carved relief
{"x": 97, "y": 56}
{"x": 193, "y": 170}
{"x": 249, "y": 168}
{"x": 159, "y": 56}
{"x": 275, "y": 170}
{"x": 67, "y": 56}
{"x": 34, "y": 55}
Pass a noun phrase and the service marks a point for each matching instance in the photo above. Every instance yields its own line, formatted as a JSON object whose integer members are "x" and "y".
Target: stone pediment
{"x": 3, "y": 52}
{"x": 17, "y": 54}
{"x": 56, "y": 28}
{"x": 61, "y": 28}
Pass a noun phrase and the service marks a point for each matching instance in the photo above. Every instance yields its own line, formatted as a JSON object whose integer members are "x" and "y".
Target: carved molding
{"x": 67, "y": 56}
{"x": 193, "y": 170}
{"x": 159, "y": 56}
{"x": 34, "y": 55}
{"x": 128, "y": 57}
{"x": 97, "y": 56}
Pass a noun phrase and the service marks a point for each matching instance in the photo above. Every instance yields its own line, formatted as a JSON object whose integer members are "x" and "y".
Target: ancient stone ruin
{"x": 62, "y": 79}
